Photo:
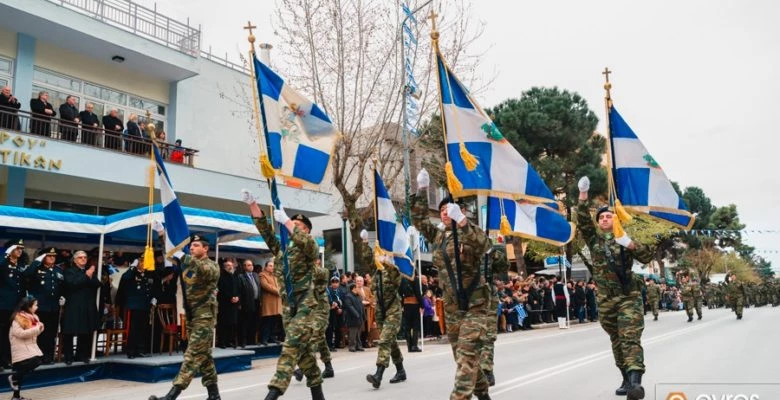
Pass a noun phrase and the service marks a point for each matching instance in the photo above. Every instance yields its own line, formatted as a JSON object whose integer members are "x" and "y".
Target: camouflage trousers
{"x": 467, "y": 334}
{"x": 653, "y": 306}
{"x": 489, "y": 347}
{"x": 622, "y": 317}
{"x": 296, "y": 350}
{"x": 690, "y": 305}
{"x": 737, "y": 305}
{"x": 388, "y": 332}
{"x": 319, "y": 344}
{"x": 197, "y": 358}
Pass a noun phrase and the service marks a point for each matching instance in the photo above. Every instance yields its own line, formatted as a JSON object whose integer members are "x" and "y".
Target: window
{"x": 105, "y": 211}
{"x": 3, "y": 82}
{"x": 147, "y": 105}
{"x": 53, "y": 78}
{"x": 56, "y": 98}
{"x": 106, "y": 94}
{"x": 159, "y": 126}
{"x": 74, "y": 208}
{"x": 6, "y": 66}
{"x": 333, "y": 239}
{"x": 36, "y": 203}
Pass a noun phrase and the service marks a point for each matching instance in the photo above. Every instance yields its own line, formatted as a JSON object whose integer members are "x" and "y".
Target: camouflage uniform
{"x": 692, "y": 297}
{"x": 736, "y": 297}
{"x": 498, "y": 267}
{"x": 322, "y": 314}
{"x": 653, "y": 296}
{"x": 620, "y": 306}
{"x": 385, "y": 283}
{"x": 466, "y": 326}
{"x": 302, "y": 252}
{"x": 200, "y": 277}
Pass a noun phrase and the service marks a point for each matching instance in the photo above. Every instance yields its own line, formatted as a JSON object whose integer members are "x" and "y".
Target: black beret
{"x": 198, "y": 238}
{"x": 302, "y": 218}
{"x": 601, "y": 211}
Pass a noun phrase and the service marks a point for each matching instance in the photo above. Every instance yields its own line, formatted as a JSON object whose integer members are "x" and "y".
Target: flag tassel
{"x": 266, "y": 168}
{"x": 468, "y": 159}
{"x": 148, "y": 259}
{"x": 505, "y": 228}
{"x": 621, "y": 213}
{"x": 453, "y": 184}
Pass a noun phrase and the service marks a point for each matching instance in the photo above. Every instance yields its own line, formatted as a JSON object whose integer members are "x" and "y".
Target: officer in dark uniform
{"x": 44, "y": 282}
{"x": 135, "y": 295}
{"x": 11, "y": 291}
{"x": 412, "y": 301}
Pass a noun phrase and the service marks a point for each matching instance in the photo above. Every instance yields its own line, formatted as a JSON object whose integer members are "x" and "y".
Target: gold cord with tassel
{"x": 469, "y": 160}
{"x": 505, "y": 228}
{"x": 453, "y": 184}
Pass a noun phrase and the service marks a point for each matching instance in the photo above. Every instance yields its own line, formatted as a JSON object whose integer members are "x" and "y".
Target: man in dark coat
{"x": 250, "y": 299}
{"x": 8, "y": 110}
{"x": 80, "y": 317}
{"x": 228, "y": 300}
{"x": 44, "y": 282}
{"x": 135, "y": 295}
{"x": 12, "y": 290}
{"x": 113, "y": 127}
{"x": 43, "y": 111}
{"x": 354, "y": 317}
{"x": 90, "y": 125}
{"x": 69, "y": 119}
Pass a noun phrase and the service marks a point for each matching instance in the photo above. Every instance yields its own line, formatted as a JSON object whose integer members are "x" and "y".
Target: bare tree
{"x": 347, "y": 54}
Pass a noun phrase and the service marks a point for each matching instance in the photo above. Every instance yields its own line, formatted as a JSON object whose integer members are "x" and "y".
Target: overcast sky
{"x": 698, "y": 81}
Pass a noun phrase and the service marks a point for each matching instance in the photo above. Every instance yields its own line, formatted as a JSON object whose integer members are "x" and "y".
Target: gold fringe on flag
{"x": 468, "y": 159}
{"x": 453, "y": 184}
{"x": 266, "y": 168}
{"x": 505, "y": 228}
{"x": 621, "y": 212}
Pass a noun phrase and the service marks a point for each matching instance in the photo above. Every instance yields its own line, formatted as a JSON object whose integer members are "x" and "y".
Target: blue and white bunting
{"x": 530, "y": 221}
{"x": 301, "y": 136}
{"x": 391, "y": 233}
{"x": 177, "y": 234}
{"x": 642, "y": 186}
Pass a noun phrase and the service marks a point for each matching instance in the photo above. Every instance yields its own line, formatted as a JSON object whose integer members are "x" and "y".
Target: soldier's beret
{"x": 601, "y": 211}
{"x": 199, "y": 238}
{"x": 302, "y": 218}
{"x": 18, "y": 243}
{"x": 51, "y": 251}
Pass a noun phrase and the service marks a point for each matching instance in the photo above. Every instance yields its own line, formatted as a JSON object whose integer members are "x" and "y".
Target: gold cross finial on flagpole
{"x": 249, "y": 27}
{"x": 432, "y": 16}
{"x": 607, "y": 85}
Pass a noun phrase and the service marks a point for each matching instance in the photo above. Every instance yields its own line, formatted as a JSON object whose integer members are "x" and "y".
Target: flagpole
{"x": 611, "y": 171}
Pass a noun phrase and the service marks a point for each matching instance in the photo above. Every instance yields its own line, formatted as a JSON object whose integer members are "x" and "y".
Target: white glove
{"x": 62, "y": 301}
{"x": 134, "y": 263}
{"x": 624, "y": 240}
{"x": 423, "y": 179}
{"x": 158, "y": 226}
{"x": 364, "y": 235}
{"x": 441, "y": 226}
{"x": 40, "y": 257}
{"x": 154, "y": 301}
{"x": 584, "y": 184}
{"x": 280, "y": 216}
{"x": 10, "y": 249}
{"x": 453, "y": 211}
{"x": 247, "y": 197}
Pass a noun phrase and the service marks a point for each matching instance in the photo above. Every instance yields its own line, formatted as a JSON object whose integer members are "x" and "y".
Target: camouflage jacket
{"x": 302, "y": 252}
{"x": 653, "y": 292}
{"x": 473, "y": 244}
{"x": 691, "y": 290}
{"x": 321, "y": 276}
{"x": 735, "y": 290}
{"x": 200, "y": 277}
{"x": 384, "y": 283}
{"x": 605, "y": 251}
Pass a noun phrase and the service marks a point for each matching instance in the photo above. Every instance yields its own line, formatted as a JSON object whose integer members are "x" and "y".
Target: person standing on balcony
{"x": 8, "y": 109}
{"x": 113, "y": 127}
{"x": 69, "y": 120}
{"x": 43, "y": 111}
{"x": 89, "y": 124}
{"x": 133, "y": 145}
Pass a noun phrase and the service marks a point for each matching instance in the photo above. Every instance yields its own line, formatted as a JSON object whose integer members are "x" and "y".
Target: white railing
{"x": 139, "y": 20}
{"x": 208, "y": 55}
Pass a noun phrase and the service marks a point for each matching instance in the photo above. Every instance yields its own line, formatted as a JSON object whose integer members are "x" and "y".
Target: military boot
{"x": 316, "y": 393}
{"x": 623, "y": 389}
{"x": 635, "y": 389}
{"x": 172, "y": 394}
{"x": 482, "y": 396}
{"x": 699, "y": 316}
{"x": 376, "y": 379}
{"x": 328, "y": 371}
{"x": 213, "y": 392}
{"x": 655, "y": 318}
{"x": 298, "y": 374}
{"x": 690, "y": 318}
{"x": 490, "y": 377}
{"x": 400, "y": 373}
{"x": 273, "y": 394}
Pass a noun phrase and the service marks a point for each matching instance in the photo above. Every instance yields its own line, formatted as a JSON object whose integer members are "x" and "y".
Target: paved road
{"x": 541, "y": 364}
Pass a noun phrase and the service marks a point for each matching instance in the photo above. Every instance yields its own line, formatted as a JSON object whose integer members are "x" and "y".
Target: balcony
{"x": 96, "y": 137}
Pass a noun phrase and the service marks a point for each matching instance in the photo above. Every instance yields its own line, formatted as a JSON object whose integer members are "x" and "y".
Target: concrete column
{"x": 14, "y": 190}
{"x": 23, "y": 71}
{"x": 170, "y": 128}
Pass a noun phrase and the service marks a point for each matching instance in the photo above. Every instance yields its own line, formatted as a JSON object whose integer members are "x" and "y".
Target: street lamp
{"x": 344, "y": 216}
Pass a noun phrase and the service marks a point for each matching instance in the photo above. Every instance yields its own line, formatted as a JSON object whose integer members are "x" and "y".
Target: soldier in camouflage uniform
{"x": 735, "y": 294}
{"x": 498, "y": 268}
{"x": 386, "y": 282}
{"x": 467, "y": 297}
{"x": 691, "y": 295}
{"x": 301, "y": 306}
{"x": 200, "y": 276}
{"x": 619, "y": 299}
{"x": 319, "y": 345}
{"x": 653, "y": 297}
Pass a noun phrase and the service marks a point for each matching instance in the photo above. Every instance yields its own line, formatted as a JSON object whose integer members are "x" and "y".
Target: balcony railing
{"x": 139, "y": 20}
{"x": 68, "y": 131}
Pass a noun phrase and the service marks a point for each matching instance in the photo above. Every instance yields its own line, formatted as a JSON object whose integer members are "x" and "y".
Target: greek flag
{"x": 300, "y": 135}
{"x": 177, "y": 234}
{"x": 530, "y": 221}
{"x": 391, "y": 233}
{"x": 501, "y": 170}
{"x": 642, "y": 185}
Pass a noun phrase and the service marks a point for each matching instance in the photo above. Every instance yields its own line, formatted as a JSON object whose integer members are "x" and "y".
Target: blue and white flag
{"x": 642, "y": 186}
{"x": 177, "y": 234}
{"x": 530, "y": 221}
{"x": 301, "y": 136}
{"x": 501, "y": 170}
{"x": 391, "y": 233}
